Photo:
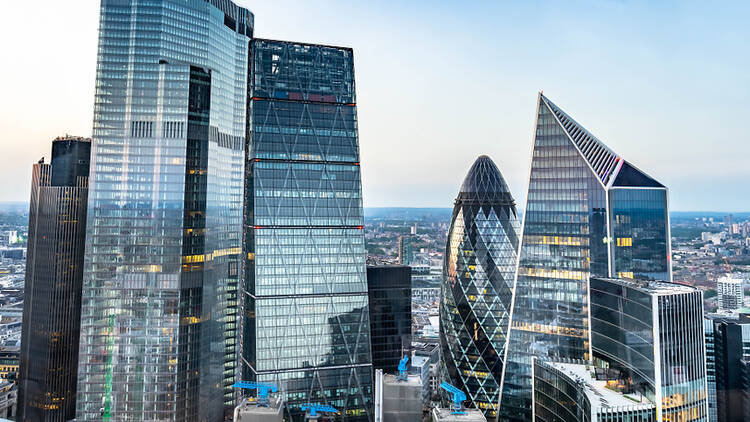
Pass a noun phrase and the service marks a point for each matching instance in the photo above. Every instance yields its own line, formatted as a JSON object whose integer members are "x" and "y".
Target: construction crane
{"x": 262, "y": 387}
{"x": 458, "y": 397}
{"x": 402, "y": 367}
{"x": 315, "y": 408}
{"x": 726, "y": 262}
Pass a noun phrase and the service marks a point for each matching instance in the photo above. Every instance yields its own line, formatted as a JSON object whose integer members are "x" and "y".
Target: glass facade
{"x": 651, "y": 333}
{"x": 562, "y": 396}
{"x": 477, "y": 289}
{"x": 389, "y": 291}
{"x": 159, "y": 302}
{"x": 52, "y": 292}
{"x": 588, "y": 213}
{"x": 306, "y": 321}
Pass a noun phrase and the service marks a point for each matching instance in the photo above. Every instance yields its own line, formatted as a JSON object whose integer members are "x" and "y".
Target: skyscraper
{"x": 165, "y": 211}
{"x": 478, "y": 275}
{"x": 52, "y": 291}
{"x": 389, "y": 292}
{"x": 306, "y": 324}
{"x": 731, "y": 350}
{"x": 588, "y": 213}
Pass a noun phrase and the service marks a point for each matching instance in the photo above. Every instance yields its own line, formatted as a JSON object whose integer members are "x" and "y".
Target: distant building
{"x": 414, "y": 229}
{"x": 389, "y": 291}
{"x": 405, "y": 250}
{"x": 649, "y": 336}
{"x": 9, "y": 401}
{"x": 730, "y": 293}
{"x": 9, "y": 363}
{"x": 8, "y": 237}
{"x": 54, "y": 275}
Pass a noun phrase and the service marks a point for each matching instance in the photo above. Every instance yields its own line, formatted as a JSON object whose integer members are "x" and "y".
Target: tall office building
{"x": 478, "y": 275}
{"x": 708, "y": 330}
{"x": 731, "y": 352}
{"x": 649, "y": 336}
{"x": 588, "y": 212}
{"x": 52, "y": 292}
{"x": 165, "y": 211}
{"x": 306, "y": 320}
{"x": 389, "y": 291}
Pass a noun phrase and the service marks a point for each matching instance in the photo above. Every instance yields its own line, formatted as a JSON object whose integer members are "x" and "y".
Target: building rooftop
{"x": 600, "y": 397}
{"x": 447, "y": 415}
{"x": 652, "y": 287}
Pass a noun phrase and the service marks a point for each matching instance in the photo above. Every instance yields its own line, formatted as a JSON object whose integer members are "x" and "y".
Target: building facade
{"x": 650, "y": 335}
{"x": 588, "y": 213}
{"x": 164, "y": 233}
{"x": 730, "y": 293}
{"x": 731, "y": 350}
{"x": 708, "y": 330}
{"x": 405, "y": 250}
{"x": 389, "y": 293}
{"x": 567, "y": 392}
{"x": 306, "y": 320}
{"x": 477, "y": 289}
{"x": 52, "y": 294}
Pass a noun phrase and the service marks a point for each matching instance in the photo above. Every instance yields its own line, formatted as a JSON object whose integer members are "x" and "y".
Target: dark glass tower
{"x": 588, "y": 213}
{"x": 52, "y": 292}
{"x": 478, "y": 275}
{"x": 164, "y": 232}
{"x": 306, "y": 320}
{"x": 389, "y": 291}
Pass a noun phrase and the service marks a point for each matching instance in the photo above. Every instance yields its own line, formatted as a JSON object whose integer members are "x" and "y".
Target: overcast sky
{"x": 664, "y": 84}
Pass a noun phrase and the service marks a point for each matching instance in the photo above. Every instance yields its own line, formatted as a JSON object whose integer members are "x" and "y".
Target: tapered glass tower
{"x": 165, "y": 211}
{"x": 306, "y": 319}
{"x": 588, "y": 213}
{"x": 478, "y": 276}
{"x": 52, "y": 291}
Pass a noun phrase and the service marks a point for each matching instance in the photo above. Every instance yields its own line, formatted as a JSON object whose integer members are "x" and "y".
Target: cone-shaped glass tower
{"x": 478, "y": 275}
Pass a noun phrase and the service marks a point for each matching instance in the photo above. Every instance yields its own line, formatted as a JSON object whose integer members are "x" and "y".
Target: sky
{"x": 663, "y": 84}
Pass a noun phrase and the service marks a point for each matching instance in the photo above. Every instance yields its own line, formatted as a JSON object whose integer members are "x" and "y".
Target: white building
{"x": 730, "y": 292}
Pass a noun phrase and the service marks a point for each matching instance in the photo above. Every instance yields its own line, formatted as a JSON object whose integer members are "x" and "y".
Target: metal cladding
{"x": 478, "y": 274}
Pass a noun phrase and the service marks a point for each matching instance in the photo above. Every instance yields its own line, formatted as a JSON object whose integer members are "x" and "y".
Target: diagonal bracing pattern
{"x": 477, "y": 285}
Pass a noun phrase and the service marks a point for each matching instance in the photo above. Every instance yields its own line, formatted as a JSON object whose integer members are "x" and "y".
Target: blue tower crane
{"x": 262, "y": 387}
{"x": 315, "y": 408}
{"x": 458, "y": 397}
{"x": 402, "y": 367}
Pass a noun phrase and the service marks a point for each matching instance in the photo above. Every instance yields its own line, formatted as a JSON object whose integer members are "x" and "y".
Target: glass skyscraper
{"x": 588, "y": 213}
{"x": 306, "y": 320}
{"x": 52, "y": 291}
{"x": 478, "y": 275}
{"x": 164, "y": 225}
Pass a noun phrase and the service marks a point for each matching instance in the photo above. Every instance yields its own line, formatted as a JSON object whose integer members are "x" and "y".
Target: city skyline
{"x": 640, "y": 63}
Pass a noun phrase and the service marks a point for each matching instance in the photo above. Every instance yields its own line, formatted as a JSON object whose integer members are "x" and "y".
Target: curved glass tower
{"x": 478, "y": 275}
